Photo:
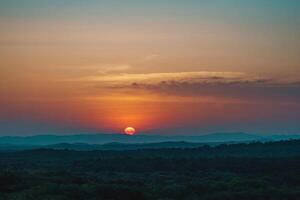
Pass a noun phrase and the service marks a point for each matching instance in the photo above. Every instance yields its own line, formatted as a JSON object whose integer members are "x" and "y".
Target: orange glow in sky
{"x": 162, "y": 67}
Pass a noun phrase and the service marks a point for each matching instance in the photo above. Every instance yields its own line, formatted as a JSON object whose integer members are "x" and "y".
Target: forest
{"x": 256, "y": 170}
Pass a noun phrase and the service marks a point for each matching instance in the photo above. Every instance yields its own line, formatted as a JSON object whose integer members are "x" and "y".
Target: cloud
{"x": 256, "y": 89}
{"x": 231, "y": 85}
{"x": 154, "y": 78}
{"x": 109, "y": 68}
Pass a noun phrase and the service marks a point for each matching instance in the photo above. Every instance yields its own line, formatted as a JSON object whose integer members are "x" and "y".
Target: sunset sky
{"x": 161, "y": 66}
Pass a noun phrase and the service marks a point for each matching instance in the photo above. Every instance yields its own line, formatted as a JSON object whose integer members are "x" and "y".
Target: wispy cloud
{"x": 154, "y": 78}
{"x": 235, "y": 85}
{"x": 109, "y": 68}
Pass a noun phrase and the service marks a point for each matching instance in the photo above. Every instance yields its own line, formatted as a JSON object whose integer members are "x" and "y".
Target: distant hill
{"x": 121, "y": 141}
{"x": 229, "y": 137}
{"x": 122, "y": 146}
{"x": 280, "y": 149}
{"x": 107, "y": 146}
{"x": 121, "y": 138}
{"x": 283, "y": 137}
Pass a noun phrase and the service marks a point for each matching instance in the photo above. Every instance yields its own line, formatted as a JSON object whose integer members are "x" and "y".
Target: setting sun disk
{"x": 129, "y": 131}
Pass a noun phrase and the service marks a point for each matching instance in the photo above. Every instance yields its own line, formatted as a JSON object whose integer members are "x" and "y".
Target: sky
{"x": 163, "y": 66}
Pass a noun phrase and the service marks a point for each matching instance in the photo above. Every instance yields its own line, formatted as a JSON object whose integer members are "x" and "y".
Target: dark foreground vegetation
{"x": 238, "y": 171}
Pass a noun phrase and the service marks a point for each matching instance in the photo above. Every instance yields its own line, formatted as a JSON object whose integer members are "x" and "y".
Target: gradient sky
{"x": 162, "y": 66}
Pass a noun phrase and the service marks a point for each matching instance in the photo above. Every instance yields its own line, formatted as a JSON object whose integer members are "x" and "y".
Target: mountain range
{"x": 121, "y": 141}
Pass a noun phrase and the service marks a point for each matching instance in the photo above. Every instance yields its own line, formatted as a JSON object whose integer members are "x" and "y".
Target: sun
{"x": 129, "y": 131}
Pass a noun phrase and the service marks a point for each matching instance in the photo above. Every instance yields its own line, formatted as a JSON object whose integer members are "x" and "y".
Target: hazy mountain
{"x": 284, "y": 137}
{"x": 228, "y": 137}
{"x": 121, "y": 138}
{"x": 122, "y": 146}
{"x": 83, "y": 138}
